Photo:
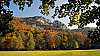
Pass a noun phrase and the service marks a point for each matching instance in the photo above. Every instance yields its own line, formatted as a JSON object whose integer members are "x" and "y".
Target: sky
{"x": 35, "y": 11}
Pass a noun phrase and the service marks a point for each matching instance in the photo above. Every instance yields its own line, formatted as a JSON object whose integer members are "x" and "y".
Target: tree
{"x": 9, "y": 42}
{"x": 46, "y": 4}
{"x": 76, "y": 10}
{"x": 82, "y": 40}
{"x": 19, "y": 41}
{"x": 39, "y": 38}
{"x": 6, "y": 14}
{"x": 80, "y": 12}
{"x": 94, "y": 35}
{"x": 30, "y": 41}
{"x": 59, "y": 42}
{"x": 5, "y": 17}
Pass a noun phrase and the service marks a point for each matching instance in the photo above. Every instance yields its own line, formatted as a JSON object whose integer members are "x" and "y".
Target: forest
{"x": 17, "y": 35}
{"x": 25, "y": 37}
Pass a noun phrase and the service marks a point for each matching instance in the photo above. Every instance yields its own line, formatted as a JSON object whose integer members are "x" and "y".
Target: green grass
{"x": 52, "y": 53}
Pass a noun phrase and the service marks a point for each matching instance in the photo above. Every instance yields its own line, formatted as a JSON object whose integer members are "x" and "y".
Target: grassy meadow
{"x": 52, "y": 53}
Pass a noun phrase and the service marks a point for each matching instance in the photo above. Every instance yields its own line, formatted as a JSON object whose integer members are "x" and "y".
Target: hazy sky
{"x": 34, "y": 11}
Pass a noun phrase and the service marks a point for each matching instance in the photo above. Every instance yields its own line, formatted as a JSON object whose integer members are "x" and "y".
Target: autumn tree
{"x": 81, "y": 40}
{"x": 80, "y": 12}
{"x": 20, "y": 43}
{"x": 9, "y": 42}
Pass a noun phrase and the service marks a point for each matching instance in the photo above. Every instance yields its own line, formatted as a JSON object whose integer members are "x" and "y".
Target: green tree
{"x": 4, "y": 22}
{"x": 19, "y": 42}
{"x": 30, "y": 42}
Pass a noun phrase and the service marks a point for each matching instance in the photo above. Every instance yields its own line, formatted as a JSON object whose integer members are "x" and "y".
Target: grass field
{"x": 52, "y": 53}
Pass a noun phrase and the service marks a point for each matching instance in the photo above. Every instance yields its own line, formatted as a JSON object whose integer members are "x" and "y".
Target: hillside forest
{"x": 28, "y": 33}
{"x": 23, "y": 36}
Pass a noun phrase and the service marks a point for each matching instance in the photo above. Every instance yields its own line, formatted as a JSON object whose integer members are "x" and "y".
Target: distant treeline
{"x": 44, "y": 40}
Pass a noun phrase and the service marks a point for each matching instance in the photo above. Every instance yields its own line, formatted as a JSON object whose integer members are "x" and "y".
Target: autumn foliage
{"x": 19, "y": 25}
{"x": 25, "y": 37}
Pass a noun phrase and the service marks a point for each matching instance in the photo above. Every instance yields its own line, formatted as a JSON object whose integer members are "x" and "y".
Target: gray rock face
{"x": 41, "y": 22}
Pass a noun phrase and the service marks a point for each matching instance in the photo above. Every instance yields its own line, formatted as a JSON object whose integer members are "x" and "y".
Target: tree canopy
{"x": 80, "y": 12}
